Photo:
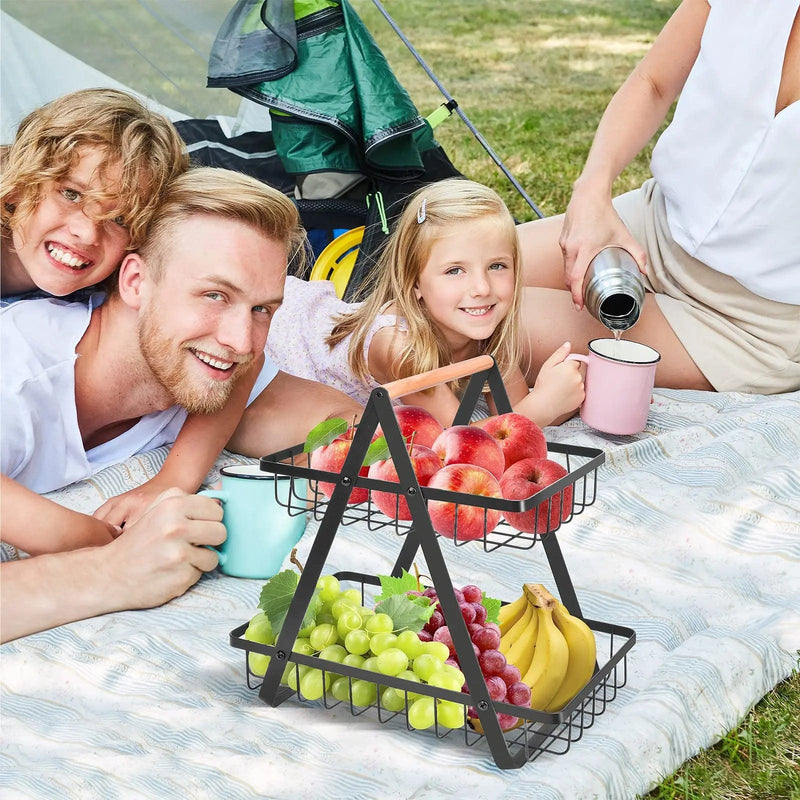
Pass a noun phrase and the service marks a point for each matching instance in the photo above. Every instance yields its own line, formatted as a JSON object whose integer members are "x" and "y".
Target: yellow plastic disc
{"x": 336, "y": 261}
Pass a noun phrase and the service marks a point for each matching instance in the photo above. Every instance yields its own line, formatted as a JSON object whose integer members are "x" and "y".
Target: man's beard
{"x": 167, "y": 361}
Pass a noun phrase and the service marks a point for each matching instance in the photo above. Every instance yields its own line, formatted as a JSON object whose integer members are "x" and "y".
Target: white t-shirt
{"x": 40, "y": 441}
{"x": 729, "y": 166}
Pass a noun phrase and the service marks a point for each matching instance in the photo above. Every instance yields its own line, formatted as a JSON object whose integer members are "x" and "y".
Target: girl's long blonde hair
{"x": 445, "y": 203}
{"x": 144, "y": 143}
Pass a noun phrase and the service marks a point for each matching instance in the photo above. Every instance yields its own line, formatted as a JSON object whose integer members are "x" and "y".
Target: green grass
{"x": 534, "y": 76}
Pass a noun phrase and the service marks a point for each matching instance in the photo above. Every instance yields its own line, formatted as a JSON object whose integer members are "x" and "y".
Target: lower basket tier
{"x": 360, "y": 690}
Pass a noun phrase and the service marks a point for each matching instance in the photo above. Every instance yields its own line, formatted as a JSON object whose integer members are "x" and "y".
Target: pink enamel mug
{"x": 619, "y": 385}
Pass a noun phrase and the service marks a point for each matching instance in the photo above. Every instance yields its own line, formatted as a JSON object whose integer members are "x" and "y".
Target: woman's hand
{"x": 590, "y": 224}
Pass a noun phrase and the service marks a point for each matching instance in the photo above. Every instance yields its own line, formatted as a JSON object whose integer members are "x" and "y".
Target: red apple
{"x": 466, "y": 444}
{"x": 470, "y": 479}
{"x": 524, "y": 479}
{"x": 518, "y": 437}
{"x": 330, "y": 458}
{"x": 425, "y": 464}
{"x": 417, "y": 421}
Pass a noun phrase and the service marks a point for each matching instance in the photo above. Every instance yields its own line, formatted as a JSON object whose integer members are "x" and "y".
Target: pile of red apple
{"x": 503, "y": 456}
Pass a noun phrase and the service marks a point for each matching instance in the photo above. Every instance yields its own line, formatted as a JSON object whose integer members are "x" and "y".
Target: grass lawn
{"x": 534, "y": 77}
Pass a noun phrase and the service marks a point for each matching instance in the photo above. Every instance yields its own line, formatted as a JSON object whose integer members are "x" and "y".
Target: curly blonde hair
{"x": 144, "y": 144}
{"x": 447, "y": 202}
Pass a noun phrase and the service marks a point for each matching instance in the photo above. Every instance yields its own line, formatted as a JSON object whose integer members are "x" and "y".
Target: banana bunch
{"x": 554, "y": 651}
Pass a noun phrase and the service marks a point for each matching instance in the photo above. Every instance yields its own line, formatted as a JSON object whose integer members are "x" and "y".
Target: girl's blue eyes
{"x": 498, "y": 265}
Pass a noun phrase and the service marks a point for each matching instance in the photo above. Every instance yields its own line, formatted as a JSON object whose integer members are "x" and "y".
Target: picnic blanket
{"x": 693, "y": 541}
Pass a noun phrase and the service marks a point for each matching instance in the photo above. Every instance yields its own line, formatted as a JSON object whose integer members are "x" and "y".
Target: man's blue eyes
{"x": 220, "y": 296}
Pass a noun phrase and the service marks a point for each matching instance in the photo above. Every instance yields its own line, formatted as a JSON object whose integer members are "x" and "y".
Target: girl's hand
{"x": 590, "y": 224}
{"x": 128, "y": 507}
{"x": 558, "y": 391}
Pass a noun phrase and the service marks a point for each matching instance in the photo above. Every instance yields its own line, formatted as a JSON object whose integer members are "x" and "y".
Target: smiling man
{"x": 85, "y": 387}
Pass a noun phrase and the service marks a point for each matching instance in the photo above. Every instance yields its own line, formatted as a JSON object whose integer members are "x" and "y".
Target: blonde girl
{"x": 448, "y": 288}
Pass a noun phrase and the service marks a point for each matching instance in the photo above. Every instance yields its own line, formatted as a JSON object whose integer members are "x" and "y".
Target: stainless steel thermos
{"x": 613, "y": 290}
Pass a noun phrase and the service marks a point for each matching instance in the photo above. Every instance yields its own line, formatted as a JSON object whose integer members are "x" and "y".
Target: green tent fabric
{"x": 335, "y": 103}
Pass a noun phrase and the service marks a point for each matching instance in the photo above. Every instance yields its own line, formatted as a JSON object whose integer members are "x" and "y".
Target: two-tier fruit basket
{"x": 540, "y": 731}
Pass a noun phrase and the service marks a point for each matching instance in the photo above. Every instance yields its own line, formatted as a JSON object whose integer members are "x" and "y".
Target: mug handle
{"x": 577, "y": 357}
{"x": 215, "y": 494}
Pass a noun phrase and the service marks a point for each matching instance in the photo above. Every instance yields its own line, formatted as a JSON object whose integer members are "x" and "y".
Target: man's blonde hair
{"x": 446, "y": 203}
{"x": 144, "y": 144}
{"x": 224, "y": 193}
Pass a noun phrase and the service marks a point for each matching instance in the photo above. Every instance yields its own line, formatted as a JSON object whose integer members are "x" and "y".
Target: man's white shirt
{"x": 40, "y": 441}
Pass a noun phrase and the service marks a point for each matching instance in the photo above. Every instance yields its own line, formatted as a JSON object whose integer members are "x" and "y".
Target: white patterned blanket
{"x": 694, "y": 541}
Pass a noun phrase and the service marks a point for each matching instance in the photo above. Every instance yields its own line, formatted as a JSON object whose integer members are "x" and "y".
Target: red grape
{"x": 494, "y": 626}
{"x": 425, "y": 636}
{"x": 486, "y": 639}
{"x": 443, "y": 635}
{"x": 468, "y": 612}
{"x": 477, "y": 651}
{"x": 507, "y": 722}
{"x": 430, "y": 592}
{"x": 453, "y": 662}
{"x": 459, "y": 595}
{"x": 480, "y": 612}
{"x": 510, "y": 674}
{"x": 472, "y": 594}
{"x": 492, "y": 662}
{"x": 473, "y": 626}
{"x": 496, "y": 687}
{"x": 519, "y": 694}
{"x": 436, "y": 621}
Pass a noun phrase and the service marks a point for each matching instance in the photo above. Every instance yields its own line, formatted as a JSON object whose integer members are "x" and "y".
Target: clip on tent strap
{"x": 381, "y": 211}
{"x": 440, "y": 114}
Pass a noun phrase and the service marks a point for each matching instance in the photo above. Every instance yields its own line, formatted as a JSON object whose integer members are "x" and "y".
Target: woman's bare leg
{"x": 542, "y": 259}
{"x": 549, "y": 319}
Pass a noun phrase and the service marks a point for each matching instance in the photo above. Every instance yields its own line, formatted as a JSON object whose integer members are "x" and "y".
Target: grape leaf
{"x": 276, "y": 597}
{"x": 377, "y": 451}
{"x": 391, "y": 586}
{"x": 492, "y": 607}
{"x": 406, "y": 612}
{"x": 325, "y": 433}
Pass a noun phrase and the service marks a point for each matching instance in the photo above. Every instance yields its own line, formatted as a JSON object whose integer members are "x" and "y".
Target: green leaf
{"x": 391, "y": 586}
{"x": 492, "y": 607}
{"x": 325, "y": 433}
{"x": 377, "y": 451}
{"x": 406, "y": 612}
{"x": 276, "y": 597}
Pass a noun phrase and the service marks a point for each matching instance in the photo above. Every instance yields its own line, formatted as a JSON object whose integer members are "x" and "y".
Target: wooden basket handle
{"x": 427, "y": 380}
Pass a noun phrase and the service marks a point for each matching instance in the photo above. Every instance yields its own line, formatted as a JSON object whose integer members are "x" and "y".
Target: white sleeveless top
{"x": 728, "y": 166}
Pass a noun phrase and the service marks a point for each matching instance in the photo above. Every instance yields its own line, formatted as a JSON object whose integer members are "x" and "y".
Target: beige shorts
{"x": 741, "y": 342}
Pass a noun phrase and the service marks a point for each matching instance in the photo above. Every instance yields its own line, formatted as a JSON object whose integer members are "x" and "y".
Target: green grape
{"x": 341, "y": 606}
{"x": 287, "y": 670}
{"x": 258, "y": 663}
{"x": 449, "y": 714}
{"x": 333, "y": 652}
{"x": 365, "y": 612}
{"x": 379, "y": 623}
{"x": 295, "y": 672}
{"x": 409, "y": 643}
{"x": 444, "y": 680}
{"x": 364, "y": 693}
{"x": 408, "y": 675}
{"x": 341, "y": 689}
{"x": 392, "y": 661}
{"x": 353, "y": 596}
{"x": 370, "y": 664}
{"x": 324, "y": 618}
{"x": 303, "y": 646}
{"x": 357, "y": 642}
{"x": 421, "y": 714}
{"x": 393, "y": 699}
{"x": 312, "y": 684}
{"x": 259, "y": 629}
{"x": 322, "y": 636}
{"x": 381, "y": 641}
{"x": 304, "y": 633}
{"x": 438, "y": 650}
{"x": 348, "y": 621}
{"x": 426, "y": 665}
{"x": 458, "y": 675}
{"x": 353, "y": 660}
{"x": 328, "y": 586}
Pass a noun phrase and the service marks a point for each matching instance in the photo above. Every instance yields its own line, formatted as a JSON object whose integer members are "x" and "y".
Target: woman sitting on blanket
{"x": 448, "y": 289}
{"x": 716, "y": 231}
{"x": 80, "y": 185}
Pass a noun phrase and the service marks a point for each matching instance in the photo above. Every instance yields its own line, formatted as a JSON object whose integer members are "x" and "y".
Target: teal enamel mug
{"x": 264, "y": 516}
